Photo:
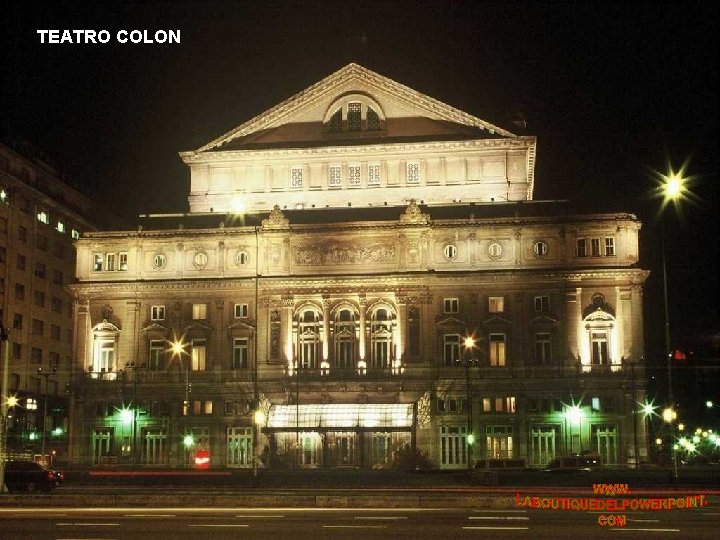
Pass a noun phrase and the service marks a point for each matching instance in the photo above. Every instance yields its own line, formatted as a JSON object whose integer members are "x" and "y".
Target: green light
{"x": 33, "y": 436}
{"x": 471, "y": 439}
{"x": 126, "y": 416}
{"x": 58, "y": 431}
{"x": 188, "y": 441}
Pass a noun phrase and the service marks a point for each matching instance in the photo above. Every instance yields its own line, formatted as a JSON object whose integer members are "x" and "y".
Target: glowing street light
{"x": 469, "y": 345}
{"x": 574, "y": 415}
{"x": 188, "y": 440}
{"x": 709, "y": 404}
{"x": 669, "y": 415}
{"x": 126, "y": 416}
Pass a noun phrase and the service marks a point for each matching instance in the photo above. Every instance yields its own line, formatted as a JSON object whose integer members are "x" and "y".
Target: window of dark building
{"x": 22, "y": 233}
{"x": 19, "y": 291}
{"x": 38, "y": 327}
{"x": 17, "y": 321}
{"x": 57, "y": 278}
{"x": 21, "y": 262}
{"x": 40, "y": 270}
{"x": 55, "y": 332}
{"x": 17, "y": 351}
{"x": 56, "y": 304}
{"x": 39, "y": 298}
{"x": 36, "y": 355}
{"x": 41, "y": 242}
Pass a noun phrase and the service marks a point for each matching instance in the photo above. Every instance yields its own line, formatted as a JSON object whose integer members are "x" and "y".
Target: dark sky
{"x": 612, "y": 90}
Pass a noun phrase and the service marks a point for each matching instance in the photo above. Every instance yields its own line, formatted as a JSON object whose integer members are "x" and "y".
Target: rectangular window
{"x": 42, "y": 217}
{"x": 542, "y": 348}
{"x": 199, "y": 312}
{"x": 240, "y": 353}
{"x": 36, "y": 355}
{"x": 60, "y": 227}
{"x": 156, "y": 353}
{"x": 199, "y": 351}
{"x": 3, "y": 224}
{"x": 58, "y": 249}
{"x": 498, "y": 442}
{"x": 610, "y": 246}
{"x": 38, "y": 327}
{"x": 19, "y": 291}
{"x": 75, "y": 234}
{"x": 22, "y": 233}
{"x": 451, "y": 305}
{"x": 412, "y": 171}
{"x": 123, "y": 262}
{"x": 41, "y": 242}
{"x": 54, "y": 360}
{"x": 542, "y": 304}
{"x": 58, "y": 277}
{"x": 17, "y": 321}
{"x": 497, "y": 350}
{"x": 354, "y": 175}
{"x": 110, "y": 262}
{"x": 373, "y": 174}
{"x": 56, "y": 304}
{"x": 21, "y": 262}
{"x": 599, "y": 343}
{"x": 55, "y": 332}
{"x": 296, "y": 177}
{"x": 354, "y": 120}
{"x": 241, "y": 311}
{"x": 17, "y": 351}
{"x": 496, "y": 304}
{"x": 39, "y": 298}
{"x": 451, "y": 349}
{"x": 157, "y": 313}
{"x": 98, "y": 259}
{"x": 335, "y": 173}
{"x": 595, "y": 247}
{"x": 3, "y": 254}
{"x": 581, "y": 247}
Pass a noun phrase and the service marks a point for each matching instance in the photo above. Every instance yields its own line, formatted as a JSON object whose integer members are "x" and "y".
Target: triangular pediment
{"x": 406, "y": 115}
{"x": 545, "y": 319}
{"x": 155, "y": 327}
{"x": 449, "y": 321}
{"x": 241, "y": 325}
{"x": 496, "y": 319}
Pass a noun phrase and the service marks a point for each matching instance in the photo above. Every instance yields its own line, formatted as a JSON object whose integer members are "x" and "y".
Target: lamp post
{"x": 672, "y": 187}
{"x": 4, "y": 402}
{"x": 45, "y": 400}
{"x": 469, "y": 345}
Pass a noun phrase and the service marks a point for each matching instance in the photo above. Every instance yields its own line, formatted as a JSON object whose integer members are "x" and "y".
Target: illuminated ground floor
{"x": 367, "y": 436}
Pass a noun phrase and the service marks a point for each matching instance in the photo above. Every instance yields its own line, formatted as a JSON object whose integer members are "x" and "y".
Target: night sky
{"x": 613, "y": 91}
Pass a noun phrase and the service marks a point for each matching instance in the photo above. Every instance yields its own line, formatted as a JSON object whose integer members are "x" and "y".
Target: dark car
{"x": 30, "y": 476}
{"x": 569, "y": 464}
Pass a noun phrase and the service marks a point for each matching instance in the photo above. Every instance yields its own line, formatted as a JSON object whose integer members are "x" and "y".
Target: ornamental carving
{"x": 329, "y": 253}
{"x": 276, "y": 220}
{"x": 413, "y": 215}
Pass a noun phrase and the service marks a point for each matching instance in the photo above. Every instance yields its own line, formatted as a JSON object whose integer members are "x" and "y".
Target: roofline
{"x": 312, "y": 93}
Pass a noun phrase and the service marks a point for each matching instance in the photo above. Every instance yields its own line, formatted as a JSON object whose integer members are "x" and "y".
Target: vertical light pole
{"x": 4, "y": 401}
{"x": 44, "y": 420}
{"x": 177, "y": 348}
{"x": 259, "y": 416}
{"x": 672, "y": 190}
{"x": 469, "y": 345}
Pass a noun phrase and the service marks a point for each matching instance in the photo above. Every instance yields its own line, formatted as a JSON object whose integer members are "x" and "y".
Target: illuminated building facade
{"x": 339, "y": 249}
{"x": 40, "y": 217}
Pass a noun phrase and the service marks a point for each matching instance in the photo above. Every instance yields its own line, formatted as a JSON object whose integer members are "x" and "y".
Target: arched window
{"x": 105, "y": 361}
{"x": 344, "y": 338}
{"x": 309, "y": 343}
{"x": 600, "y": 342}
{"x": 381, "y": 339}
{"x": 354, "y": 113}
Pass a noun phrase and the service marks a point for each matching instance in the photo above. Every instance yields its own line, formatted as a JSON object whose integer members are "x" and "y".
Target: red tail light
{"x": 50, "y": 475}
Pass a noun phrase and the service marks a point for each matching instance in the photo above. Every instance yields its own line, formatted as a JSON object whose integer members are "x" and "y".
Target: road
{"x": 61, "y": 523}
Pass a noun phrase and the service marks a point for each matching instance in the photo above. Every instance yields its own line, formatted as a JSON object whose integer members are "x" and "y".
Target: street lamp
{"x": 469, "y": 345}
{"x": 44, "y": 420}
{"x": 574, "y": 415}
{"x": 672, "y": 187}
{"x": 4, "y": 401}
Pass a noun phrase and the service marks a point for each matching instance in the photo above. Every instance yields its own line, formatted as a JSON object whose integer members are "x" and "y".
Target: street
{"x": 61, "y": 523}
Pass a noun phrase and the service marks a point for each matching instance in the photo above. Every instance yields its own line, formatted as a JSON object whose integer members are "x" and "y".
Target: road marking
{"x": 149, "y": 515}
{"x": 354, "y": 526}
{"x": 496, "y": 528}
{"x": 260, "y": 516}
{"x": 87, "y": 524}
{"x": 221, "y": 525}
{"x": 380, "y": 517}
{"x": 647, "y": 530}
{"x": 500, "y": 517}
{"x": 502, "y": 511}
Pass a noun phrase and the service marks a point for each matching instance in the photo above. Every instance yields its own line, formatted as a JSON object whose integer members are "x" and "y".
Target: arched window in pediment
{"x": 104, "y": 349}
{"x": 600, "y": 343}
{"x": 354, "y": 113}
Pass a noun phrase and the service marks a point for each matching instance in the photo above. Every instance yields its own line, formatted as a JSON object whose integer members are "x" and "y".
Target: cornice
{"x": 333, "y": 151}
{"x": 400, "y": 284}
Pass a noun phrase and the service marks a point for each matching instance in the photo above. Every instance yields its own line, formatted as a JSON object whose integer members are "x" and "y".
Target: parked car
{"x": 584, "y": 462}
{"x": 21, "y": 475}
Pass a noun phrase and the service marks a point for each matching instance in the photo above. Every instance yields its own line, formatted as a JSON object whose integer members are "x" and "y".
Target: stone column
{"x": 362, "y": 302}
{"x": 326, "y": 328}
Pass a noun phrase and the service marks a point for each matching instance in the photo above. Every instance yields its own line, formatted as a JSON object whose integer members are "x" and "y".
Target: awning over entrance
{"x": 359, "y": 415}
